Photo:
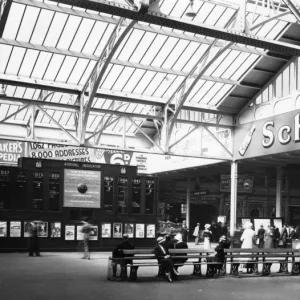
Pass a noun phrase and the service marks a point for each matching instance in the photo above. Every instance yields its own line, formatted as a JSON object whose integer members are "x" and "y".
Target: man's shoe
{"x": 176, "y": 272}
{"x": 113, "y": 278}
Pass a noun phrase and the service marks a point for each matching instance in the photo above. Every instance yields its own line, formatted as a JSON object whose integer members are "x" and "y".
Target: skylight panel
{"x": 36, "y": 95}
{"x": 66, "y": 68}
{"x": 214, "y": 15}
{"x": 123, "y": 78}
{"x": 55, "y": 30}
{"x": 28, "y": 62}
{"x": 163, "y": 86}
{"x": 42, "y": 27}
{"x": 104, "y": 39}
{"x": 13, "y": 21}
{"x": 144, "y": 82}
{"x": 15, "y": 61}
{"x": 78, "y": 70}
{"x": 195, "y": 90}
{"x": 56, "y": 97}
{"x": 276, "y": 30}
{"x": 223, "y": 19}
{"x": 69, "y": 32}
{"x": 112, "y": 77}
{"x": 202, "y": 91}
{"x": 204, "y": 12}
{"x": 167, "y": 6}
{"x": 236, "y": 64}
{"x": 19, "y": 92}
{"x": 178, "y": 9}
{"x": 173, "y": 87}
{"x": 245, "y": 66}
{"x": 41, "y": 65}
{"x": 29, "y": 93}
{"x": 21, "y": 115}
{"x": 155, "y": 82}
{"x": 54, "y": 66}
{"x": 220, "y": 94}
{"x": 133, "y": 81}
{"x": 28, "y": 23}
{"x": 87, "y": 72}
{"x": 4, "y": 57}
{"x": 218, "y": 62}
{"x": 106, "y": 73}
{"x": 211, "y": 93}
{"x": 82, "y": 35}
{"x": 94, "y": 38}
{"x": 186, "y": 55}
{"x": 226, "y": 62}
{"x": 3, "y": 110}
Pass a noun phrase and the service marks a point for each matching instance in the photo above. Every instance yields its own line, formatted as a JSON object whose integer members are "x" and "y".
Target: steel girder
{"x": 293, "y": 8}
{"x": 4, "y": 11}
{"x": 174, "y": 23}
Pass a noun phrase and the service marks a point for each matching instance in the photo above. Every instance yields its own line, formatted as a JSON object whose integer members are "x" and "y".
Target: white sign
{"x": 70, "y": 233}
{"x": 106, "y": 230}
{"x": 139, "y": 231}
{"x": 150, "y": 231}
{"x": 3, "y": 229}
{"x": 15, "y": 229}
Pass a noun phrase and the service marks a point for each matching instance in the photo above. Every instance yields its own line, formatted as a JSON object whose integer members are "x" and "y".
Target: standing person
{"x": 86, "y": 238}
{"x": 118, "y": 253}
{"x": 33, "y": 240}
{"x": 248, "y": 237}
{"x": 269, "y": 237}
{"x": 164, "y": 259}
{"x": 214, "y": 232}
{"x": 184, "y": 231}
{"x": 292, "y": 232}
{"x": 224, "y": 229}
{"x": 261, "y": 236}
{"x": 283, "y": 236}
{"x": 207, "y": 235}
{"x": 196, "y": 234}
{"x": 179, "y": 244}
{"x": 276, "y": 237}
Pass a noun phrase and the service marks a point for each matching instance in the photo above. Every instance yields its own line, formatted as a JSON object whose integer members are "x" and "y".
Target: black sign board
{"x": 37, "y": 200}
{"x": 201, "y": 193}
{"x": 149, "y": 196}
{"x": 244, "y": 183}
{"x": 4, "y": 188}
{"x": 108, "y": 199}
{"x": 54, "y": 179}
{"x": 21, "y": 186}
{"x": 122, "y": 195}
{"x": 136, "y": 195}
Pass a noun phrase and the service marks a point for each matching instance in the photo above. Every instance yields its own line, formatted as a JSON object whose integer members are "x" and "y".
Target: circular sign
{"x": 82, "y": 188}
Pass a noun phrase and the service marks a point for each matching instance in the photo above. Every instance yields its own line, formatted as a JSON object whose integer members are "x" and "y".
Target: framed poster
{"x": 79, "y": 233}
{"x": 27, "y": 228}
{"x": 94, "y": 233}
{"x": 278, "y": 223}
{"x": 3, "y": 229}
{"x": 150, "y": 231}
{"x": 55, "y": 230}
{"x": 15, "y": 229}
{"x": 264, "y": 222}
{"x": 117, "y": 230}
{"x": 70, "y": 233}
{"x": 42, "y": 229}
{"x": 128, "y": 229}
{"x": 139, "y": 231}
{"x": 106, "y": 230}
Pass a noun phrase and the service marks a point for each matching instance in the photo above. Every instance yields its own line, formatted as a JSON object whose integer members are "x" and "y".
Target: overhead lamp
{"x": 191, "y": 12}
{"x": 2, "y": 92}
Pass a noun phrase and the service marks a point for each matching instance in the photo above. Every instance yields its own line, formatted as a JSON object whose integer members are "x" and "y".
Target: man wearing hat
{"x": 164, "y": 259}
{"x": 261, "y": 236}
{"x": 118, "y": 254}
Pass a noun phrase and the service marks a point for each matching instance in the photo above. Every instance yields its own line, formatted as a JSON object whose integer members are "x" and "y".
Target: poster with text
{"x": 27, "y": 228}
{"x": 128, "y": 229}
{"x": 150, "y": 231}
{"x": 259, "y": 222}
{"x": 70, "y": 233}
{"x": 15, "y": 229}
{"x": 94, "y": 233}
{"x": 117, "y": 230}
{"x": 277, "y": 223}
{"x": 42, "y": 229}
{"x": 10, "y": 151}
{"x": 55, "y": 230}
{"x": 79, "y": 233}
{"x": 3, "y": 229}
{"x": 106, "y": 230}
{"x": 81, "y": 188}
{"x": 139, "y": 231}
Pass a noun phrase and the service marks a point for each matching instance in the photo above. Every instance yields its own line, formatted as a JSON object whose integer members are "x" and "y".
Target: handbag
{"x": 257, "y": 241}
{"x": 280, "y": 243}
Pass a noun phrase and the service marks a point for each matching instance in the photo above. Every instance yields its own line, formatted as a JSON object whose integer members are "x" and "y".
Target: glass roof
{"x": 59, "y": 44}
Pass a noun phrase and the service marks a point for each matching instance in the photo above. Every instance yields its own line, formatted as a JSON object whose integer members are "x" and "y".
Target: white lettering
{"x": 284, "y": 140}
{"x": 297, "y": 128}
{"x": 268, "y": 135}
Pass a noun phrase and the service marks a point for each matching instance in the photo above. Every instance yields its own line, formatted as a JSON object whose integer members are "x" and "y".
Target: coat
{"x": 166, "y": 263}
{"x": 247, "y": 238}
{"x": 118, "y": 251}
{"x": 180, "y": 245}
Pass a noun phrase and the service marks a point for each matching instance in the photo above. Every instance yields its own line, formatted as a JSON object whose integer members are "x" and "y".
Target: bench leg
{"x": 234, "y": 269}
{"x": 296, "y": 269}
{"x": 283, "y": 268}
{"x": 255, "y": 268}
{"x": 123, "y": 274}
{"x": 133, "y": 273}
{"x": 197, "y": 270}
{"x": 266, "y": 269}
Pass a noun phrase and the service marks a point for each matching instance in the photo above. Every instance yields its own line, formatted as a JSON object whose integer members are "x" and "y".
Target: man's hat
{"x": 160, "y": 239}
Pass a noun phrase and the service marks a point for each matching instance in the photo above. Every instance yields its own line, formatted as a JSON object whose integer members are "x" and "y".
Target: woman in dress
{"x": 248, "y": 237}
{"x": 207, "y": 235}
{"x": 269, "y": 236}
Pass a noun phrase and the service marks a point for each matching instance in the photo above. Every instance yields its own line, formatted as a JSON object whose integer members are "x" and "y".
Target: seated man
{"x": 118, "y": 253}
{"x": 179, "y": 245}
{"x": 164, "y": 259}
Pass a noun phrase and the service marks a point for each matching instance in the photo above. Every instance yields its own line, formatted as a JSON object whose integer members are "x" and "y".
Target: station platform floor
{"x": 65, "y": 276}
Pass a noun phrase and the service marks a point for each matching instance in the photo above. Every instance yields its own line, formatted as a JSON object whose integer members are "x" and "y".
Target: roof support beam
{"x": 170, "y": 33}
{"x": 4, "y": 11}
{"x": 175, "y": 23}
{"x": 294, "y": 10}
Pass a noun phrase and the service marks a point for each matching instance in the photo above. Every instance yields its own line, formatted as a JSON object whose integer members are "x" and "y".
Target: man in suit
{"x": 261, "y": 236}
{"x": 184, "y": 231}
{"x": 164, "y": 259}
{"x": 284, "y": 235}
{"x": 118, "y": 253}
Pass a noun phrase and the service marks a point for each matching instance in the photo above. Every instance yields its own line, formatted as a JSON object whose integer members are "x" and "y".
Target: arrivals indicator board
{"x": 81, "y": 188}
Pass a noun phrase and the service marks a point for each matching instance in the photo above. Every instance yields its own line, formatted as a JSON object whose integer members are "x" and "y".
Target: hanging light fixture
{"x": 191, "y": 12}
{"x": 2, "y": 92}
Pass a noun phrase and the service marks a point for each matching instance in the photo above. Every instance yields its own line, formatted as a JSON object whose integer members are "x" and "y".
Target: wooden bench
{"x": 266, "y": 257}
{"x": 146, "y": 258}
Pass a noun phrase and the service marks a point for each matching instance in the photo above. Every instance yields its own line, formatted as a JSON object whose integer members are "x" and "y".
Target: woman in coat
{"x": 207, "y": 235}
{"x": 248, "y": 237}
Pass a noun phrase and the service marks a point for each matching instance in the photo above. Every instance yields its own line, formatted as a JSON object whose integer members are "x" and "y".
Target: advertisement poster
{"x": 15, "y": 229}
{"x": 55, "y": 230}
{"x": 128, "y": 229}
{"x": 61, "y": 152}
{"x": 10, "y": 151}
{"x": 139, "y": 231}
{"x": 42, "y": 229}
{"x": 27, "y": 228}
{"x": 106, "y": 230}
{"x": 258, "y": 222}
{"x": 117, "y": 230}
{"x": 79, "y": 233}
{"x": 94, "y": 233}
{"x": 278, "y": 224}
{"x": 150, "y": 231}
{"x": 244, "y": 183}
{"x": 3, "y": 229}
{"x": 245, "y": 222}
{"x": 70, "y": 233}
{"x": 81, "y": 188}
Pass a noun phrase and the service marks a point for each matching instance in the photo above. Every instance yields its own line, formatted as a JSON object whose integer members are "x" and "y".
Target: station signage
{"x": 201, "y": 193}
{"x": 244, "y": 183}
{"x": 277, "y": 134}
{"x": 10, "y": 151}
